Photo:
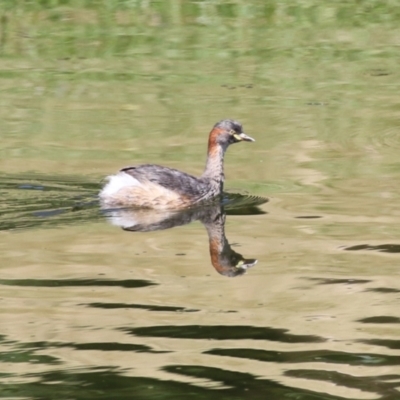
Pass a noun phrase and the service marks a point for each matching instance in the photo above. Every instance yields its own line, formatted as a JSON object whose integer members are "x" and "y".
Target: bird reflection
{"x": 224, "y": 259}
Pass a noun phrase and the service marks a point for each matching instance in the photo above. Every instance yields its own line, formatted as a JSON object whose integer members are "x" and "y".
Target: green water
{"x": 92, "y": 311}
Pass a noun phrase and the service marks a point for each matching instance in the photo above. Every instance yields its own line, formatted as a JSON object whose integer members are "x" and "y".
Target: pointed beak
{"x": 247, "y": 263}
{"x": 244, "y": 137}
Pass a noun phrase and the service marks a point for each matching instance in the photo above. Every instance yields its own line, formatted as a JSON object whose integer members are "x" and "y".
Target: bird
{"x": 161, "y": 188}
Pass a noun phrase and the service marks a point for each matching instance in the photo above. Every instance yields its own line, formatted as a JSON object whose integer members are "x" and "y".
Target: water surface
{"x": 94, "y": 311}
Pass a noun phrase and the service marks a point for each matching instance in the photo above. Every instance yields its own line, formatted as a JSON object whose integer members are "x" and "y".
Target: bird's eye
{"x": 232, "y": 132}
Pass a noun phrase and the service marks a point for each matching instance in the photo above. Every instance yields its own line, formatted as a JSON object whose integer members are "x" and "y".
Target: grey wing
{"x": 169, "y": 178}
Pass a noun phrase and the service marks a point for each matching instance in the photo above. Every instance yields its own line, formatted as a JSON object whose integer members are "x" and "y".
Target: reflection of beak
{"x": 246, "y": 263}
{"x": 243, "y": 137}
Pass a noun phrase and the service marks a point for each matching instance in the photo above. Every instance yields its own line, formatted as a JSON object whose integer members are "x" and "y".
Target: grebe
{"x": 157, "y": 187}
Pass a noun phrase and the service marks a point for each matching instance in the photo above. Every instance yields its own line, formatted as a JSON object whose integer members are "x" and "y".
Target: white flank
{"x": 118, "y": 182}
{"x": 124, "y": 220}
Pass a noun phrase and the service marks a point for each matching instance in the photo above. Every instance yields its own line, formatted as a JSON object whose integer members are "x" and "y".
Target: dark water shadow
{"x": 384, "y": 386}
{"x": 127, "y": 283}
{"x": 102, "y": 381}
{"x": 223, "y": 332}
{"x": 314, "y": 356}
{"x": 382, "y": 248}
{"x": 147, "y": 307}
{"x": 106, "y": 382}
{"x": 335, "y": 281}
{"x": 383, "y": 290}
{"x": 30, "y": 347}
{"x": 383, "y": 319}
{"x": 392, "y": 344}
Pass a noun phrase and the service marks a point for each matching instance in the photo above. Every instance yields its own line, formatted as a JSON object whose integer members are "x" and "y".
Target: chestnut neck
{"x": 214, "y": 170}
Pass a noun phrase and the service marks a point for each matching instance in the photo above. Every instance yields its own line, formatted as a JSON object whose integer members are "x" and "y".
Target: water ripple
{"x": 127, "y": 283}
{"x": 222, "y": 332}
{"x": 323, "y": 356}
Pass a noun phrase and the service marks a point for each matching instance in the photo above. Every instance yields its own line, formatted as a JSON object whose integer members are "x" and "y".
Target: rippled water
{"x": 296, "y": 297}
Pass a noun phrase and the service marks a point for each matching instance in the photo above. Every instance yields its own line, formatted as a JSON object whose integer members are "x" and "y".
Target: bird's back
{"x": 154, "y": 186}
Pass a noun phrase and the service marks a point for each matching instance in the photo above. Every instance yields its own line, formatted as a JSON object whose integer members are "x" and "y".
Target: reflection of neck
{"x": 223, "y": 258}
{"x": 218, "y": 243}
{"x": 214, "y": 170}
